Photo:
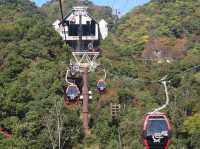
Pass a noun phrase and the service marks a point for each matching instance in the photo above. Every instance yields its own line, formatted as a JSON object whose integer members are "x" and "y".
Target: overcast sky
{"x": 122, "y": 5}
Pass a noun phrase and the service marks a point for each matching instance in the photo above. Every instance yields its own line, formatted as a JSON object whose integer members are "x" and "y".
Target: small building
{"x": 80, "y": 30}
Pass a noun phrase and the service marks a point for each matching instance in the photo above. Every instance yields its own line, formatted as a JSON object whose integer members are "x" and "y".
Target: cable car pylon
{"x": 85, "y": 99}
{"x": 83, "y": 34}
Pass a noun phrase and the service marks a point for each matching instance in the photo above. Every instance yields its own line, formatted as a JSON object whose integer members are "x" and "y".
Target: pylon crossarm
{"x": 86, "y": 58}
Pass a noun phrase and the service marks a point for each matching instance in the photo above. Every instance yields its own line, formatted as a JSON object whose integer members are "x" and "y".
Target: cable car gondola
{"x": 6, "y": 133}
{"x": 101, "y": 86}
{"x": 156, "y": 131}
{"x": 72, "y": 93}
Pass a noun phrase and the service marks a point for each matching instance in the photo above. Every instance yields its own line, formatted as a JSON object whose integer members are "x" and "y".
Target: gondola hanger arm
{"x": 66, "y": 77}
{"x": 164, "y": 82}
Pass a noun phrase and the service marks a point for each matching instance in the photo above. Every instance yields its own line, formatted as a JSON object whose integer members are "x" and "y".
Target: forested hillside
{"x": 33, "y": 61}
{"x": 171, "y": 28}
{"x": 51, "y": 9}
{"x": 31, "y": 79}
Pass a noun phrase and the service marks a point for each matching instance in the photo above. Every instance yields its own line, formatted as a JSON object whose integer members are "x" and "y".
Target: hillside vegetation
{"x": 172, "y": 28}
{"x": 33, "y": 61}
{"x": 51, "y": 9}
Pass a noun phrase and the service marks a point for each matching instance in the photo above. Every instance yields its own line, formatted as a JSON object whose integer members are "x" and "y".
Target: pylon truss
{"x": 115, "y": 110}
{"x": 88, "y": 59}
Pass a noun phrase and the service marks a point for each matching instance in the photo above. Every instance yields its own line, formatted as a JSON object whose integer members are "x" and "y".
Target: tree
{"x": 62, "y": 129}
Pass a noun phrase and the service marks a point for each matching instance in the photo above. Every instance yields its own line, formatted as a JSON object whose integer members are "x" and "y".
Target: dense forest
{"x": 33, "y": 62}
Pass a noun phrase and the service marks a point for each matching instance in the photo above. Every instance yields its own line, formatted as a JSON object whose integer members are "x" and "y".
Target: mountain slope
{"x": 172, "y": 29}
{"x": 33, "y": 62}
{"x": 31, "y": 79}
{"x": 51, "y": 9}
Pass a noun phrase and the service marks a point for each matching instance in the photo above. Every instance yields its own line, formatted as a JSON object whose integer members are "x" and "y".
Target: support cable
{"x": 176, "y": 74}
{"x": 187, "y": 70}
{"x": 62, "y": 16}
{"x": 61, "y": 10}
{"x": 164, "y": 82}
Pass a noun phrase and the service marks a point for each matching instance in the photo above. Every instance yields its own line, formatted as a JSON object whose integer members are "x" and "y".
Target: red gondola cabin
{"x": 6, "y": 133}
{"x": 156, "y": 131}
